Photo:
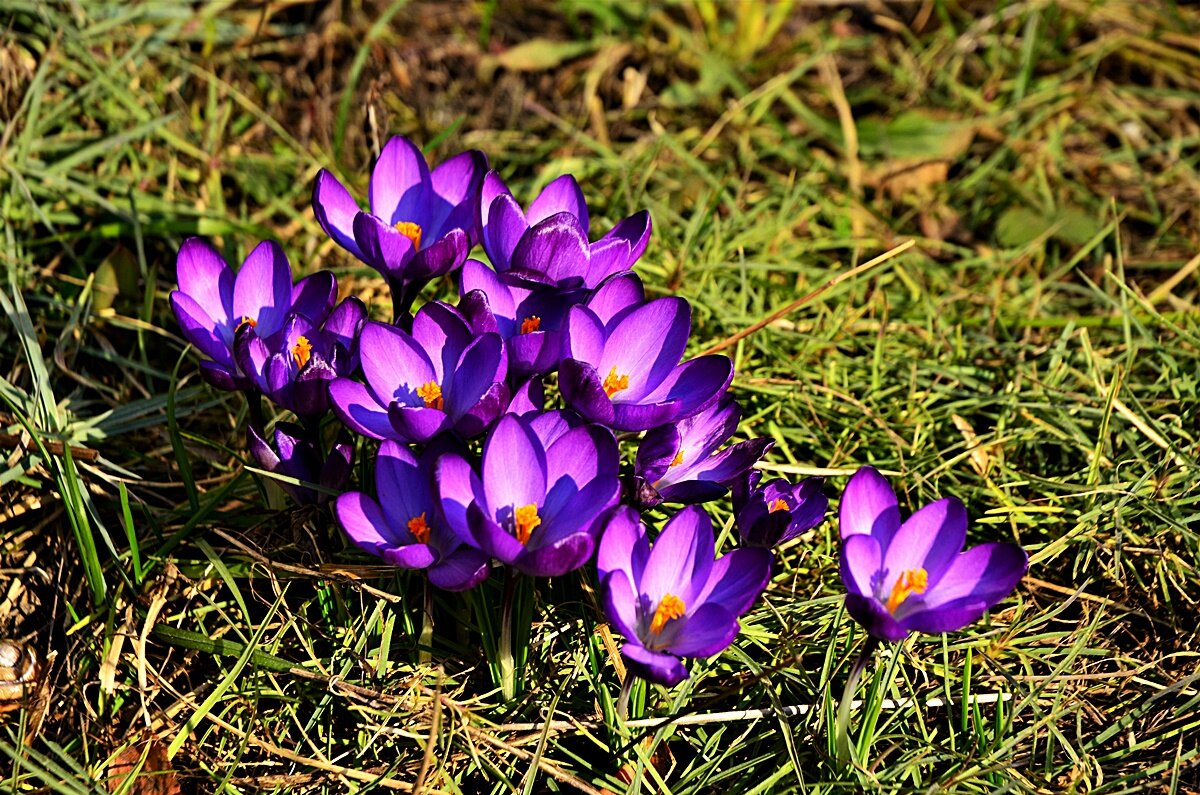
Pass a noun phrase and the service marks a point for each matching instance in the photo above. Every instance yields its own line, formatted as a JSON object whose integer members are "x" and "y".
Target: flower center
{"x": 411, "y": 231}
{"x": 778, "y": 505}
{"x": 246, "y": 321}
{"x": 531, "y": 323}
{"x": 670, "y": 608}
{"x": 431, "y": 393}
{"x": 302, "y": 351}
{"x": 912, "y": 581}
{"x": 419, "y": 528}
{"x": 614, "y": 383}
{"x": 525, "y": 519}
{"x": 677, "y": 460}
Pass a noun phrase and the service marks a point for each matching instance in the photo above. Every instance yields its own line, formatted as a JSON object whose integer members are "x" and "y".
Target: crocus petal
{"x": 363, "y": 520}
{"x": 335, "y": 209}
{"x": 223, "y": 377}
{"x": 477, "y": 276}
{"x": 205, "y": 277}
{"x": 314, "y": 295}
{"x": 709, "y": 479}
{"x": 737, "y": 579}
{"x": 621, "y": 602}
{"x": 502, "y": 231}
{"x": 410, "y": 556}
{"x": 478, "y": 418}
{"x": 456, "y": 181}
{"x": 657, "y": 452}
{"x": 702, "y": 634}
{"x": 695, "y": 385}
{"x": 869, "y": 507}
{"x": 382, "y": 247}
{"x": 616, "y": 297}
{"x": 623, "y": 545}
{"x": 358, "y": 409}
{"x": 514, "y": 466}
{"x": 262, "y": 289}
{"x": 561, "y": 195}
{"x": 402, "y": 485}
{"x": 345, "y": 322}
{"x": 930, "y": 539}
{"x": 492, "y": 538}
{"x": 661, "y": 669}
{"x": 581, "y": 389}
{"x": 584, "y": 338}
{"x": 200, "y": 329}
{"x": 473, "y": 374}
{"x": 581, "y": 455}
{"x": 493, "y": 187}
{"x": 441, "y": 257}
{"x": 974, "y": 582}
{"x": 646, "y": 345}
{"x": 640, "y": 416}
{"x": 417, "y": 424}
{"x": 460, "y": 571}
{"x": 635, "y": 230}
{"x": 557, "y": 247}
{"x": 874, "y": 618}
{"x": 457, "y": 487}
{"x": 681, "y": 557}
{"x": 860, "y": 561}
{"x": 252, "y": 355}
{"x": 394, "y": 365}
{"x": 530, "y": 396}
{"x": 555, "y": 560}
{"x": 399, "y": 183}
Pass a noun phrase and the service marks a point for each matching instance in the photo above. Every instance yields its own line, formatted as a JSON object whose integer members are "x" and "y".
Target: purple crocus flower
{"x": 405, "y": 526}
{"x": 536, "y": 504}
{"x": 680, "y": 462}
{"x": 421, "y": 224}
{"x": 776, "y": 512}
{"x": 528, "y": 318}
{"x": 502, "y": 223}
{"x": 296, "y": 456}
{"x": 628, "y": 376}
{"x": 296, "y": 373}
{"x": 442, "y": 377}
{"x": 211, "y": 303}
{"x": 670, "y": 599}
{"x": 902, "y": 577}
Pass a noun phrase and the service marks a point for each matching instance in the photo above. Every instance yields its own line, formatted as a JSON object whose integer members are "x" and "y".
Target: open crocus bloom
{"x": 296, "y": 372}
{"x": 211, "y": 303}
{"x": 915, "y": 576}
{"x": 528, "y": 318}
{"x": 405, "y": 526}
{"x": 671, "y": 599}
{"x": 421, "y": 223}
{"x": 502, "y": 222}
{"x": 297, "y": 457}
{"x": 556, "y": 252}
{"x": 628, "y": 376}
{"x": 545, "y": 481}
{"x": 680, "y": 462}
{"x": 777, "y": 512}
{"x": 441, "y": 377}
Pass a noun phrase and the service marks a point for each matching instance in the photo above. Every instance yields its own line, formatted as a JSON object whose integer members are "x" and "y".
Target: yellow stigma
{"x": 246, "y": 321}
{"x": 778, "y": 505}
{"x": 419, "y": 529}
{"x": 526, "y": 518}
{"x": 411, "y": 231}
{"x": 912, "y": 581}
{"x": 614, "y": 383}
{"x": 431, "y": 393}
{"x": 302, "y": 351}
{"x": 531, "y": 323}
{"x": 671, "y": 607}
{"x": 677, "y": 460}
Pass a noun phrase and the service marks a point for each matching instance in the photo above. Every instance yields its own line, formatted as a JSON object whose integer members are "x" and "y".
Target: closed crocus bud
{"x": 910, "y": 576}
{"x": 295, "y": 456}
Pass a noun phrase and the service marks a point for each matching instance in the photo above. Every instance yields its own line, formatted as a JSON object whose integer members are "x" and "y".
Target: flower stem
{"x": 425, "y": 644}
{"x": 842, "y": 728}
{"x": 623, "y": 700}
{"x": 508, "y": 668}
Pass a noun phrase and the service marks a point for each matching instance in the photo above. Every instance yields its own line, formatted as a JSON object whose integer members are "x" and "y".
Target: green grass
{"x": 1036, "y": 353}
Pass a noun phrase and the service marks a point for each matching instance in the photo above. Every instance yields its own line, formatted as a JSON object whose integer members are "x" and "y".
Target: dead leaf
{"x": 147, "y": 763}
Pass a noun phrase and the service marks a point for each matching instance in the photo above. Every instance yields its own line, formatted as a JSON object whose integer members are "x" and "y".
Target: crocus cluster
{"x": 474, "y": 471}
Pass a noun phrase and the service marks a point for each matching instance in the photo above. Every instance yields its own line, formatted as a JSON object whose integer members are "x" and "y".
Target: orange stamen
{"x": 411, "y": 231}
{"x": 302, "y": 351}
{"x": 677, "y": 460}
{"x": 246, "y": 321}
{"x": 614, "y": 383}
{"x": 431, "y": 393}
{"x": 419, "y": 529}
{"x": 912, "y": 581}
{"x": 670, "y": 608}
{"x": 531, "y": 323}
{"x": 526, "y": 519}
{"x": 778, "y": 505}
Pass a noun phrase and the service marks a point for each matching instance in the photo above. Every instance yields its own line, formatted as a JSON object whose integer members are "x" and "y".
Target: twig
{"x": 812, "y": 296}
